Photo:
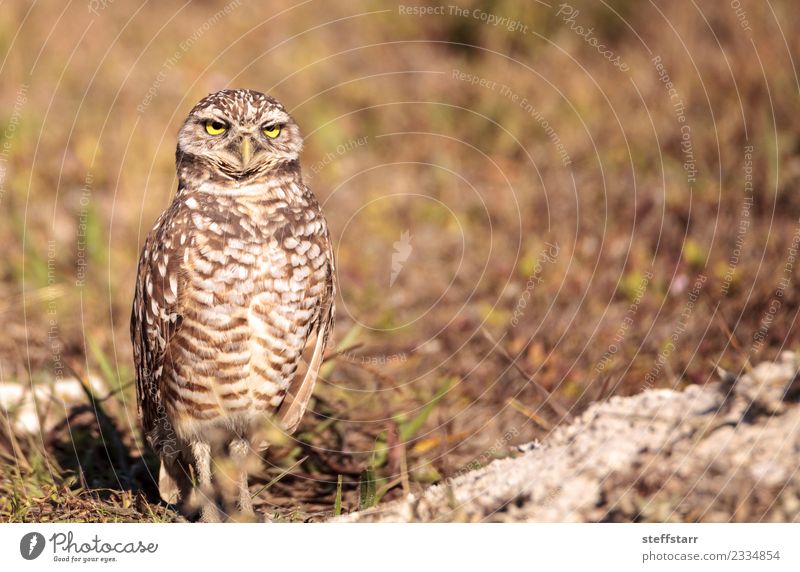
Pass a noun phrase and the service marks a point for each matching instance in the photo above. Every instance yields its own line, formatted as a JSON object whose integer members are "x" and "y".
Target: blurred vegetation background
{"x": 535, "y": 206}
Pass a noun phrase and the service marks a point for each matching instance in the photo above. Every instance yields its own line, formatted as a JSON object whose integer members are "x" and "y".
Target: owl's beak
{"x": 246, "y": 151}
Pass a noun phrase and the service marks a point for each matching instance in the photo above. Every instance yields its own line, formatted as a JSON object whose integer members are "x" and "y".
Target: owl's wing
{"x": 291, "y": 414}
{"x": 290, "y": 418}
{"x": 155, "y": 318}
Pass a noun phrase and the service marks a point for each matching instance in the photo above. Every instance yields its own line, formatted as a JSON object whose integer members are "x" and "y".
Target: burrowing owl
{"x": 234, "y": 280}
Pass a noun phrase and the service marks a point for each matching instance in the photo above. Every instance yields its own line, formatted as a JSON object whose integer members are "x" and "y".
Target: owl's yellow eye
{"x": 272, "y": 131}
{"x": 215, "y": 127}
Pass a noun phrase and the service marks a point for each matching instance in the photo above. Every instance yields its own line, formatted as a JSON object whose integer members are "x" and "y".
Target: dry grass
{"x": 397, "y": 142}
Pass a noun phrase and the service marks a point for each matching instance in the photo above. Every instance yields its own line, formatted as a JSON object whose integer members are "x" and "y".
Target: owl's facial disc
{"x": 241, "y": 134}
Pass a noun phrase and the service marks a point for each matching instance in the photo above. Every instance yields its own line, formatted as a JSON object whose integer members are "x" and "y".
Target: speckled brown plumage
{"x": 234, "y": 280}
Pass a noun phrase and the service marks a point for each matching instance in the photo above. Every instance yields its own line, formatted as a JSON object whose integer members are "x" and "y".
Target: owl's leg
{"x": 240, "y": 449}
{"x": 202, "y": 462}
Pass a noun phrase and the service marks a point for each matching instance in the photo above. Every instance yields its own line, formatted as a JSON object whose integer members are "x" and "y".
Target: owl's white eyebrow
{"x": 214, "y": 117}
{"x": 276, "y": 117}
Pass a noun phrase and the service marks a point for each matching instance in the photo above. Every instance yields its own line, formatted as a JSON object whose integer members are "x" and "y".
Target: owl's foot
{"x": 240, "y": 450}
{"x": 204, "y": 494}
{"x": 210, "y": 513}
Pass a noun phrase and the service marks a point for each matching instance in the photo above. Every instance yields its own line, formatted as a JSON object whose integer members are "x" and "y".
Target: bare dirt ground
{"x": 728, "y": 451}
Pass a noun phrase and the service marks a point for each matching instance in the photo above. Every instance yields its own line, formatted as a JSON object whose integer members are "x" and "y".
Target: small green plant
{"x": 337, "y": 503}
{"x": 367, "y": 488}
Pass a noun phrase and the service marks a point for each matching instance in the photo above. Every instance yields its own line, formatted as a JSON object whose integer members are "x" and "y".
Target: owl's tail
{"x": 174, "y": 482}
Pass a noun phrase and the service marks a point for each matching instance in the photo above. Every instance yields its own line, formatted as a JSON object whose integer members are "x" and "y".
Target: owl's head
{"x": 240, "y": 134}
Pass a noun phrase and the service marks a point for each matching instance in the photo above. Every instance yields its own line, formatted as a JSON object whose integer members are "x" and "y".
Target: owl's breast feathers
{"x": 230, "y": 290}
